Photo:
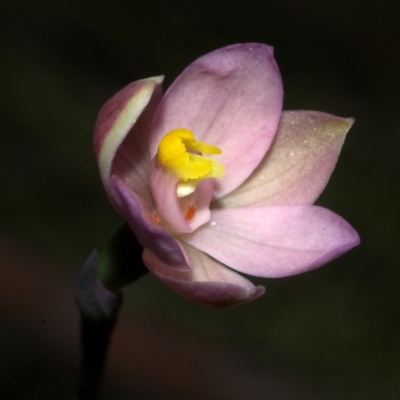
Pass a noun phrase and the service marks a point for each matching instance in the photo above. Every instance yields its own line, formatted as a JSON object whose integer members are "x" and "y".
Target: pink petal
{"x": 231, "y": 98}
{"x": 116, "y": 119}
{"x": 274, "y": 241}
{"x": 163, "y": 186}
{"x": 146, "y": 226}
{"x": 208, "y": 282}
{"x": 298, "y": 164}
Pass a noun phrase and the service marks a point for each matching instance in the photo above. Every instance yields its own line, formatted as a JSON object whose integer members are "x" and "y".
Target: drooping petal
{"x": 274, "y": 241}
{"x": 208, "y": 282}
{"x": 116, "y": 119}
{"x": 298, "y": 164}
{"x": 230, "y": 98}
{"x": 145, "y": 224}
{"x": 163, "y": 184}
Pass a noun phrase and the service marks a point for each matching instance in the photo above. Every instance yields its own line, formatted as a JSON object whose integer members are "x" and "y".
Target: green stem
{"x": 99, "y": 300}
{"x": 120, "y": 263}
{"x": 95, "y": 339}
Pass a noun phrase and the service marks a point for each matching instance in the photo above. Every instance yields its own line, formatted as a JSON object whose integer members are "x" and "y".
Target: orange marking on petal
{"x": 156, "y": 219}
{"x": 190, "y": 212}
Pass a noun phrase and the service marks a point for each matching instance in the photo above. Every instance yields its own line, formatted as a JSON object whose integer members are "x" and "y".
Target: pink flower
{"x": 213, "y": 178}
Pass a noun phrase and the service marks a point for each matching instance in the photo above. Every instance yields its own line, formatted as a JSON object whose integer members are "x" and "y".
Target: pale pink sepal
{"x": 231, "y": 98}
{"x": 208, "y": 282}
{"x": 116, "y": 119}
{"x": 298, "y": 164}
{"x": 274, "y": 241}
{"x": 145, "y": 225}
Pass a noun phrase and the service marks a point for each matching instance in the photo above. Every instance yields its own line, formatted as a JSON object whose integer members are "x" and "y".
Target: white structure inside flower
{"x": 181, "y": 153}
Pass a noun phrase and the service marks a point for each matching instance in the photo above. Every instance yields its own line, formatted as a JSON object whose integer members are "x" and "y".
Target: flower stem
{"x": 99, "y": 300}
{"x": 95, "y": 339}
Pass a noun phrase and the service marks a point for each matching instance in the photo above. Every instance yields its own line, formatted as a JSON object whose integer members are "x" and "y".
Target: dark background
{"x": 328, "y": 334}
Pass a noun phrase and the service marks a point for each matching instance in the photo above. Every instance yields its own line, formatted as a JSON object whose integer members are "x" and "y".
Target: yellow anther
{"x": 178, "y": 151}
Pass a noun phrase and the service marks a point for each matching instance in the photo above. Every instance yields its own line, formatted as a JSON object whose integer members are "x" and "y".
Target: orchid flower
{"x": 214, "y": 179}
